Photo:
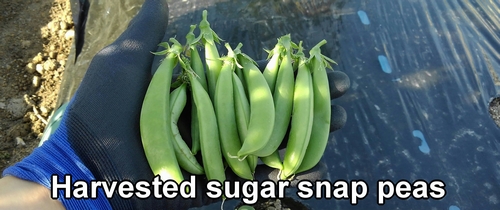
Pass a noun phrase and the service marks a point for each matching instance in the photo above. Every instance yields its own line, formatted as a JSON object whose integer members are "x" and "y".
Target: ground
{"x": 35, "y": 40}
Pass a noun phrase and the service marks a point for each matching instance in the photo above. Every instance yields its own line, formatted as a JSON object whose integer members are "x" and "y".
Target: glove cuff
{"x": 56, "y": 158}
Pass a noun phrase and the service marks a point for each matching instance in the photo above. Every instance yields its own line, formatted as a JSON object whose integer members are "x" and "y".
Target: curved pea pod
{"x": 226, "y": 118}
{"x": 273, "y": 160}
{"x": 262, "y": 114}
{"x": 209, "y": 132}
{"x": 186, "y": 159}
{"x": 302, "y": 120}
{"x": 322, "y": 109}
{"x": 155, "y": 127}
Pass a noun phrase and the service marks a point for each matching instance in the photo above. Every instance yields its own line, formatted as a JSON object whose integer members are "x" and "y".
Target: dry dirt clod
{"x": 38, "y": 58}
{"x": 30, "y": 67}
{"x": 49, "y": 65}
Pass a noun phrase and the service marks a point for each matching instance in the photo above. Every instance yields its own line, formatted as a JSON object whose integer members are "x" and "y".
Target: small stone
{"x": 53, "y": 55}
{"x": 39, "y": 68}
{"x": 8, "y": 67}
{"x": 52, "y": 48}
{"x": 20, "y": 141}
{"x": 36, "y": 81}
{"x": 69, "y": 34}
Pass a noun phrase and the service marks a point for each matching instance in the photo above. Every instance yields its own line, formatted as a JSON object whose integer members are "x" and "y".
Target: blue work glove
{"x": 99, "y": 135}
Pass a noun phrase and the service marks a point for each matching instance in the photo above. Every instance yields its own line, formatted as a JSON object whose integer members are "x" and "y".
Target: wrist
{"x": 16, "y": 193}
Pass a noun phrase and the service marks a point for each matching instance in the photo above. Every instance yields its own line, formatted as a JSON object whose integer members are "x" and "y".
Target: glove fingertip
{"x": 338, "y": 118}
{"x": 339, "y": 83}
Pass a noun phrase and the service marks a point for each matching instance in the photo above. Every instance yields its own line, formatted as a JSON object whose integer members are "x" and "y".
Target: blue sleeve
{"x": 56, "y": 157}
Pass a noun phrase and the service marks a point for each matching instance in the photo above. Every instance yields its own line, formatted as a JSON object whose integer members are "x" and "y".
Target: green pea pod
{"x": 209, "y": 131}
{"x": 302, "y": 120}
{"x": 156, "y": 133}
{"x": 322, "y": 110}
{"x": 241, "y": 107}
{"x": 283, "y": 99}
{"x": 226, "y": 118}
{"x": 242, "y": 110}
{"x": 186, "y": 159}
{"x": 273, "y": 160}
{"x": 262, "y": 114}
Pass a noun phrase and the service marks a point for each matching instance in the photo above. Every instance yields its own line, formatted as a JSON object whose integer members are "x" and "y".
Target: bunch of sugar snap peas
{"x": 239, "y": 113}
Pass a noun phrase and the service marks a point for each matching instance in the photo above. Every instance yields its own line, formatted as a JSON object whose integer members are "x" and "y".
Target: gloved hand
{"x": 99, "y": 136}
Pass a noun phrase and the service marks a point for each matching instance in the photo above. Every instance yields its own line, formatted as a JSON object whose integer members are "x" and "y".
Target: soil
{"x": 35, "y": 40}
